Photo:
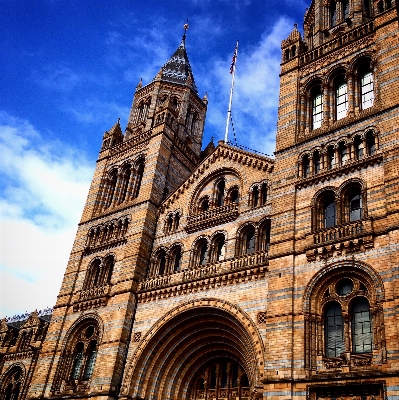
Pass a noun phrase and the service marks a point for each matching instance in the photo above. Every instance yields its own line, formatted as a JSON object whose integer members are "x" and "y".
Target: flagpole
{"x": 231, "y": 92}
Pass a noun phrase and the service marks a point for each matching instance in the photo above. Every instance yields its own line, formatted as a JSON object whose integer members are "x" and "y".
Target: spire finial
{"x": 185, "y": 26}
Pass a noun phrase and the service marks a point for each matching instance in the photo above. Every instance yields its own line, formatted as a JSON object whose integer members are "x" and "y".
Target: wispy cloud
{"x": 256, "y": 90}
{"x": 43, "y": 189}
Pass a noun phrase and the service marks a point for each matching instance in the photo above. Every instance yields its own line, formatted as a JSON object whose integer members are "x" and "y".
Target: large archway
{"x": 202, "y": 349}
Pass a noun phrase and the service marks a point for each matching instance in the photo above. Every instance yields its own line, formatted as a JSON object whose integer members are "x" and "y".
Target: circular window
{"x": 89, "y": 331}
{"x": 344, "y": 287}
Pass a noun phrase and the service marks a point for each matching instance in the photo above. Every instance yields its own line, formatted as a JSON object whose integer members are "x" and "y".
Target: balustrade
{"x": 348, "y": 230}
{"x": 214, "y": 216}
{"x": 259, "y": 258}
{"x": 94, "y": 292}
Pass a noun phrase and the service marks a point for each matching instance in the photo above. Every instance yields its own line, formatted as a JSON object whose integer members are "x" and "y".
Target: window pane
{"x": 329, "y": 214}
{"x": 367, "y": 90}
{"x": 355, "y": 207}
{"x": 362, "y": 337}
{"x": 250, "y": 242}
{"x": 334, "y": 331}
{"x": 342, "y": 100}
{"x": 317, "y": 110}
{"x": 91, "y": 360}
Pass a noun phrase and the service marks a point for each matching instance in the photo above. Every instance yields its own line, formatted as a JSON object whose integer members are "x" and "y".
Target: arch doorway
{"x": 203, "y": 352}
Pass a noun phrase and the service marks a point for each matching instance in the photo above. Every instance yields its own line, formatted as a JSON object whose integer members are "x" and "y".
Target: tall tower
{"x": 335, "y": 201}
{"x": 135, "y": 171}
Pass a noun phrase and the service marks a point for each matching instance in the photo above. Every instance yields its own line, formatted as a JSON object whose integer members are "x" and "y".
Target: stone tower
{"x": 135, "y": 171}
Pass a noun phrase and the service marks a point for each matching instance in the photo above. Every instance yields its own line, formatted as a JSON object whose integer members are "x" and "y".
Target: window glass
{"x": 317, "y": 110}
{"x": 342, "y": 100}
{"x": 362, "y": 338}
{"x": 370, "y": 141}
{"x": 162, "y": 264}
{"x": 333, "y": 13}
{"x": 316, "y": 162}
{"x": 177, "y": 262}
{"x": 306, "y": 166}
{"x": 345, "y": 7}
{"x": 355, "y": 206}
{"x": 91, "y": 360}
{"x": 344, "y": 287}
{"x": 358, "y": 147}
{"x": 250, "y": 242}
{"x": 220, "y": 193}
{"x": 334, "y": 331}
{"x": 203, "y": 254}
{"x": 330, "y": 157}
{"x": 367, "y": 90}
{"x": 255, "y": 196}
{"x": 343, "y": 153}
{"x": 329, "y": 213}
{"x": 77, "y": 362}
{"x": 264, "y": 193}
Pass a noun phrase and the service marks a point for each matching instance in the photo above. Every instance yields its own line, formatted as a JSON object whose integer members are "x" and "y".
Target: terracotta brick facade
{"x": 224, "y": 274}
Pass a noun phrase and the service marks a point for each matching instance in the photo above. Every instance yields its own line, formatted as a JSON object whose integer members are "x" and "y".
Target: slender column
{"x": 302, "y": 113}
{"x": 350, "y": 81}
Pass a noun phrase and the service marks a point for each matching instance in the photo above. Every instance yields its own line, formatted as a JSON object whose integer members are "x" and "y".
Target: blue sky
{"x": 69, "y": 70}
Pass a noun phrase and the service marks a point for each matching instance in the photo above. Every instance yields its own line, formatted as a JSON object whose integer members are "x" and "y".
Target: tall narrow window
{"x": 249, "y": 241}
{"x": 234, "y": 197}
{"x": 90, "y": 361}
{"x": 358, "y": 144}
{"x": 355, "y": 204}
{"x": 317, "y": 108}
{"x": 203, "y": 253}
{"x": 219, "y": 249}
{"x": 316, "y": 162}
{"x": 342, "y": 153}
{"x": 305, "y": 166}
{"x": 162, "y": 265}
{"x": 177, "y": 261}
{"x": 362, "y": 334}
{"x": 333, "y": 13}
{"x": 139, "y": 178}
{"x": 370, "y": 143}
{"x": 366, "y": 8}
{"x": 111, "y": 188}
{"x": 263, "y": 196}
{"x": 366, "y": 88}
{"x": 329, "y": 212}
{"x": 334, "y": 331}
{"x": 77, "y": 361}
{"x": 330, "y": 157}
{"x": 125, "y": 185}
{"x": 220, "y": 193}
{"x": 345, "y": 9}
{"x": 255, "y": 197}
{"x": 205, "y": 205}
{"x": 341, "y": 99}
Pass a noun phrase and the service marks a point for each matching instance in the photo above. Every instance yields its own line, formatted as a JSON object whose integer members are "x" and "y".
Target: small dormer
{"x": 292, "y": 46}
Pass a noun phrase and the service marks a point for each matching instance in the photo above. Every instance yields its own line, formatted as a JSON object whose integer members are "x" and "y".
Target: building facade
{"x": 224, "y": 274}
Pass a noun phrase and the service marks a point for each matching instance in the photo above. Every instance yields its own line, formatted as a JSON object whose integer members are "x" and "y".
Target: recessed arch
{"x": 182, "y": 333}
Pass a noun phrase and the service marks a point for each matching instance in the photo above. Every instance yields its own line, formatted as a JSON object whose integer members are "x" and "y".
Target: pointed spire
{"x": 178, "y": 69}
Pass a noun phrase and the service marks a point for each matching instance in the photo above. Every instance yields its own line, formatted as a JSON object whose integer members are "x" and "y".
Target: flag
{"x": 233, "y": 61}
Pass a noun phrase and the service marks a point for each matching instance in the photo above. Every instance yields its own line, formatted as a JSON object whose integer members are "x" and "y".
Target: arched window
{"x": 90, "y": 361}
{"x": 110, "y": 193}
{"x": 263, "y": 194}
{"x": 77, "y": 361}
{"x": 177, "y": 221}
{"x": 264, "y": 236}
{"x": 255, "y": 197}
{"x": 138, "y": 179}
{"x": 200, "y": 253}
{"x": 99, "y": 273}
{"x": 329, "y": 217}
{"x": 220, "y": 193}
{"x": 204, "y": 205}
{"x": 362, "y": 335}
{"x": 358, "y": 145}
{"x": 305, "y": 166}
{"x": 354, "y": 204}
{"x": 330, "y": 157}
{"x": 249, "y": 241}
{"x": 176, "y": 259}
{"x": 343, "y": 156}
{"x": 366, "y": 8}
{"x": 316, "y": 162}
{"x": 341, "y": 98}
{"x": 234, "y": 196}
{"x": 345, "y": 9}
{"x": 370, "y": 143}
{"x": 218, "y": 248}
{"x": 11, "y": 385}
{"x": 333, "y": 330}
{"x": 317, "y": 107}
{"x": 125, "y": 184}
{"x": 366, "y": 86}
{"x": 203, "y": 254}
{"x": 161, "y": 263}
{"x": 333, "y": 13}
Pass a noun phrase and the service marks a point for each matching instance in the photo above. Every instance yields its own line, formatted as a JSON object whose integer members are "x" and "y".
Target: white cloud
{"x": 256, "y": 90}
{"x": 43, "y": 189}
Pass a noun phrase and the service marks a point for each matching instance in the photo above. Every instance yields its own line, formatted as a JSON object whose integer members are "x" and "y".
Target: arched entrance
{"x": 202, "y": 352}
